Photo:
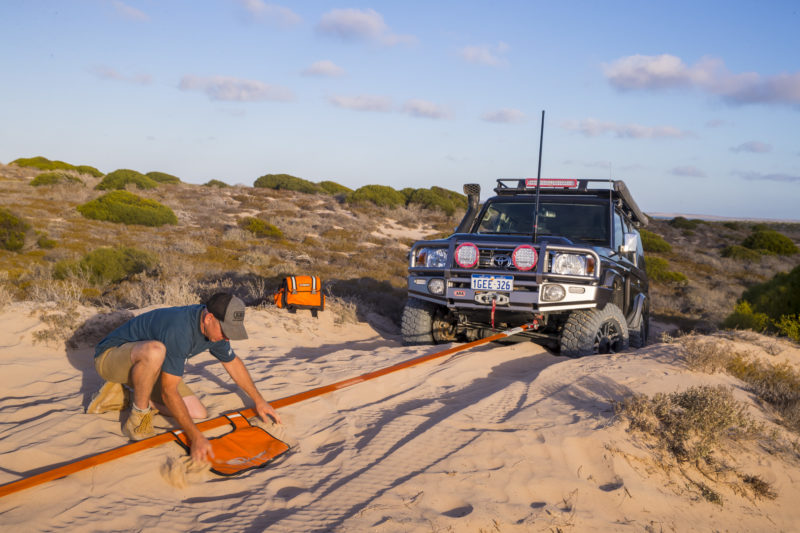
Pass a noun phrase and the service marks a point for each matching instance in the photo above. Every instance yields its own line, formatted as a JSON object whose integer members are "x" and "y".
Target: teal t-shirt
{"x": 178, "y": 328}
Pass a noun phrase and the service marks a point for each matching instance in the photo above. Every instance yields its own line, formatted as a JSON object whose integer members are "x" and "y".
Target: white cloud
{"x": 234, "y": 89}
{"x": 424, "y": 109}
{"x": 591, "y": 127}
{"x": 492, "y": 56}
{"x": 355, "y": 25}
{"x": 362, "y": 102}
{"x": 504, "y": 116}
{"x": 324, "y": 68}
{"x": 755, "y": 147}
{"x": 639, "y": 72}
{"x": 130, "y": 13}
{"x": 262, "y": 11}
{"x": 688, "y": 171}
{"x": 757, "y": 176}
{"x": 108, "y": 73}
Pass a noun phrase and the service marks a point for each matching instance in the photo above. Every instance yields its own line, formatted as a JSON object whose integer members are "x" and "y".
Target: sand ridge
{"x": 499, "y": 438}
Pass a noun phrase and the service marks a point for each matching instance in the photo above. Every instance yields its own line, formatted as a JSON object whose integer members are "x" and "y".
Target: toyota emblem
{"x": 501, "y": 261}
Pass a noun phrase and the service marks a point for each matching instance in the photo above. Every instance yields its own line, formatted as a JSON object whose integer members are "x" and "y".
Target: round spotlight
{"x": 467, "y": 255}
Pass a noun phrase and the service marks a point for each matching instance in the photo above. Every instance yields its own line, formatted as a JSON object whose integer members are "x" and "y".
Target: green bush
{"x": 216, "y": 183}
{"x": 683, "y": 223}
{"x": 107, "y": 265}
{"x": 46, "y": 243}
{"x": 163, "y": 177}
{"x": 652, "y": 242}
{"x": 770, "y": 242}
{"x": 118, "y": 179}
{"x": 778, "y": 296}
{"x": 54, "y": 177}
{"x": 437, "y": 198}
{"x": 260, "y": 228}
{"x": 743, "y": 317}
{"x": 333, "y": 188}
{"x": 734, "y": 225}
{"x": 42, "y": 163}
{"x": 126, "y": 208}
{"x": 740, "y": 253}
{"x": 658, "y": 270}
{"x": 12, "y": 231}
{"x": 789, "y": 325}
{"x": 287, "y": 182}
{"x": 380, "y": 195}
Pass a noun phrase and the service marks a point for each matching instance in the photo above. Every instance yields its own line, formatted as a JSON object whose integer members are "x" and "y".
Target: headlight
{"x": 467, "y": 255}
{"x": 570, "y": 264}
{"x": 436, "y": 286}
{"x": 431, "y": 257}
{"x": 524, "y": 257}
{"x": 552, "y": 293}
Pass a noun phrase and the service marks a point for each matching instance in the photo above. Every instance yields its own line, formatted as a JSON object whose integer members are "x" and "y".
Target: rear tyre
{"x": 593, "y": 331}
{"x": 417, "y": 322}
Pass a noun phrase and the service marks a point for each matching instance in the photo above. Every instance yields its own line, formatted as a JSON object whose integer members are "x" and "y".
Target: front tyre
{"x": 416, "y": 325}
{"x": 594, "y": 331}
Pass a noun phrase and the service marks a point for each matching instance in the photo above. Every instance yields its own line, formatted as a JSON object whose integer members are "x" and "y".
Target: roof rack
{"x": 613, "y": 188}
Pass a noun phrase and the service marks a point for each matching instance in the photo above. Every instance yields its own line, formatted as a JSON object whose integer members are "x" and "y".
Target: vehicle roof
{"x": 574, "y": 188}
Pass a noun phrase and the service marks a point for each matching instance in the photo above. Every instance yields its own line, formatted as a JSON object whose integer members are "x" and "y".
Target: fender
{"x": 634, "y": 318}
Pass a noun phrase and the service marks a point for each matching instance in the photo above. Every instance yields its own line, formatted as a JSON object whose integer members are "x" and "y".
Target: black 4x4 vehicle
{"x": 576, "y": 271}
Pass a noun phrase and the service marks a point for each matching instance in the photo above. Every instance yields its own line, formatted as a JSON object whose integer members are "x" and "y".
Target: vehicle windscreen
{"x": 575, "y": 221}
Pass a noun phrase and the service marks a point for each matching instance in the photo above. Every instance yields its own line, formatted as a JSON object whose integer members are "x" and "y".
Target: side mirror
{"x": 630, "y": 244}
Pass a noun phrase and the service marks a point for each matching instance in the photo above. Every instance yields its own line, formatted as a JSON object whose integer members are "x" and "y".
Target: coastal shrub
{"x": 163, "y": 177}
{"x": 778, "y": 296}
{"x": 734, "y": 225}
{"x": 333, "y": 188}
{"x": 735, "y": 251}
{"x": 46, "y": 243}
{"x": 107, "y": 265}
{"x": 260, "y": 228}
{"x": 684, "y": 223}
{"x": 770, "y": 242}
{"x": 658, "y": 270}
{"x": 216, "y": 183}
{"x": 789, "y": 326}
{"x": 380, "y": 195}
{"x": 776, "y": 384}
{"x": 127, "y": 208}
{"x": 287, "y": 182}
{"x": 438, "y": 198}
{"x": 12, "y": 230}
{"x": 652, "y": 242}
{"x": 42, "y": 163}
{"x": 743, "y": 317}
{"x": 54, "y": 177}
{"x": 118, "y": 179}
{"x": 689, "y": 424}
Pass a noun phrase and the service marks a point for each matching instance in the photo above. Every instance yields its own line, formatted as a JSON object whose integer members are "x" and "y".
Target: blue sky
{"x": 696, "y": 105}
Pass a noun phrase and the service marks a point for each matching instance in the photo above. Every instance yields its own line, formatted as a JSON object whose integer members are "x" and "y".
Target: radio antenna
{"x": 538, "y": 180}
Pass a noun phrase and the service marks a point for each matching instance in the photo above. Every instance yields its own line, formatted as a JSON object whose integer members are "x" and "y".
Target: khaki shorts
{"x": 115, "y": 365}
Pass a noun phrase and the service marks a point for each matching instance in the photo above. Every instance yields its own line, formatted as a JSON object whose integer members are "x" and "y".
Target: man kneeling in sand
{"x": 148, "y": 354}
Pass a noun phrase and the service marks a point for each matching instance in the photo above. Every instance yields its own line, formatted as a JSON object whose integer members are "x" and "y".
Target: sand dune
{"x": 499, "y": 438}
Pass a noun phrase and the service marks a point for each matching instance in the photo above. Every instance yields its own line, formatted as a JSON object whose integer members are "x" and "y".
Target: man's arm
{"x": 241, "y": 376}
{"x": 200, "y": 447}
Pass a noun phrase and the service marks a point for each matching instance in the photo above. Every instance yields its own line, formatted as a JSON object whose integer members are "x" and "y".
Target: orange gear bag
{"x": 301, "y": 292}
{"x": 244, "y": 448}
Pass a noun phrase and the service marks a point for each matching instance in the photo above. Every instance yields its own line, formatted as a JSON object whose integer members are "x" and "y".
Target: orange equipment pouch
{"x": 242, "y": 449}
{"x": 301, "y": 292}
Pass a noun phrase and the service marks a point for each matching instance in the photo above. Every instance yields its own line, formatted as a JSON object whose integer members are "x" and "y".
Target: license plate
{"x": 483, "y": 282}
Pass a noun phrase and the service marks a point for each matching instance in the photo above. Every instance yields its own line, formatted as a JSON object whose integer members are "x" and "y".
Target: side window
{"x": 639, "y": 251}
{"x": 619, "y": 231}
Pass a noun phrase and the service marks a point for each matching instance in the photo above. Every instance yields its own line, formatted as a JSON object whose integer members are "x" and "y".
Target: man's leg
{"x": 193, "y": 404}
{"x": 146, "y": 360}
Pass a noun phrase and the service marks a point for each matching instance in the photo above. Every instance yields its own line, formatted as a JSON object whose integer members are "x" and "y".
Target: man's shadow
{"x": 80, "y": 348}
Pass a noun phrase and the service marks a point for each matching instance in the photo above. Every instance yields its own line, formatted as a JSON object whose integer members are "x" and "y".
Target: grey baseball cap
{"x": 229, "y": 310}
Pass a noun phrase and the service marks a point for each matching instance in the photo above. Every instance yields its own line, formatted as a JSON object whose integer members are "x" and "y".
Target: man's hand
{"x": 265, "y": 410}
{"x": 201, "y": 448}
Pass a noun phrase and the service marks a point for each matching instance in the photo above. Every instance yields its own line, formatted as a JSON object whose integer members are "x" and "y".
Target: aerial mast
{"x": 538, "y": 179}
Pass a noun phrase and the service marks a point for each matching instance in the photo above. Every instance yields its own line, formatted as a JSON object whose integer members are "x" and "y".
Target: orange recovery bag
{"x": 301, "y": 292}
{"x": 242, "y": 449}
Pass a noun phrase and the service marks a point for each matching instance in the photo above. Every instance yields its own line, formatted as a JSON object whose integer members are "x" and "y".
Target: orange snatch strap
{"x": 57, "y": 472}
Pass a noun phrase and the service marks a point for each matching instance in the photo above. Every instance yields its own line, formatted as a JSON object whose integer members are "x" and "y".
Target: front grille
{"x": 496, "y": 259}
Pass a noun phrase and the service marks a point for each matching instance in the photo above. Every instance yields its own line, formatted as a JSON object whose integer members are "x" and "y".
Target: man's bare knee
{"x": 150, "y": 353}
{"x": 195, "y": 407}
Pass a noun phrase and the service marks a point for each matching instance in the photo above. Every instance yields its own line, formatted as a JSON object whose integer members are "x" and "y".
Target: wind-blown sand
{"x": 499, "y": 438}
